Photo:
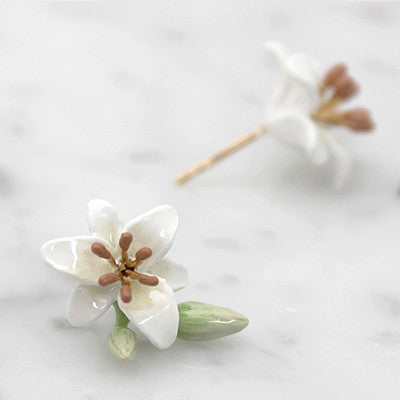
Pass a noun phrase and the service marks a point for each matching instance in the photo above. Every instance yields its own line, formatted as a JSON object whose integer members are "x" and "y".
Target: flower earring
{"x": 301, "y": 112}
{"x": 124, "y": 266}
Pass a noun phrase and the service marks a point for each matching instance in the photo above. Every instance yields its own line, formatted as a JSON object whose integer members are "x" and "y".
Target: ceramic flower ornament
{"x": 302, "y": 109}
{"x": 124, "y": 266}
{"x": 124, "y": 263}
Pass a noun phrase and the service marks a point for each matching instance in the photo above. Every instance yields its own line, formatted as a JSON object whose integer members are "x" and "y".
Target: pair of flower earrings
{"x": 125, "y": 266}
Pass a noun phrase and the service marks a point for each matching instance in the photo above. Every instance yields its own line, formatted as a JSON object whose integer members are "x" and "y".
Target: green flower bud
{"x": 123, "y": 343}
{"x": 201, "y": 321}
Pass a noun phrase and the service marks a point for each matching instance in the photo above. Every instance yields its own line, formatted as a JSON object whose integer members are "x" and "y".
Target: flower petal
{"x": 73, "y": 256}
{"x": 304, "y": 69}
{"x": 175, "y": 274}
{"x": 155, "y": 229}
{"x": 341, "y": 159}
{"x": 299, "y": 131}
{"x": 103, "y": 221}
{"x": 154, "y": 312}
{"x": 276, "y": 51}
{"x": 303, "y": 74}
{"x": 86, "y": 303}
{"x": 298, "y": 86}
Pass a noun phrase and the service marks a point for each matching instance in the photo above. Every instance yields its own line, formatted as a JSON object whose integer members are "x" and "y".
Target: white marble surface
{"x": 110, "y": 100}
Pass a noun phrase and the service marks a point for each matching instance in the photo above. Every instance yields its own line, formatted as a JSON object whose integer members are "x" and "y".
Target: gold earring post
{"x": 201, "y": 166}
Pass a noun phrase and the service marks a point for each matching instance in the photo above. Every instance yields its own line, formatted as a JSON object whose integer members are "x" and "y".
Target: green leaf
{"x": 201, "y": 321}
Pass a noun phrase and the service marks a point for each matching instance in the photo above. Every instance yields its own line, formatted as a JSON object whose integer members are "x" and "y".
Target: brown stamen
{"x": 148, "y": 280}
{"x": 334, "y": 73}
{"x": 125, "y": 268}
{"x": 143, "y": 253}
{"x": 132, "y": 264}
{"x": 126, "y": 294}
{"x": 108, "y": 279}
{"x": 328, "y": 117}
{"x": 125, "y": 241}
{"x": 131, "y": 273}
{"x": 345, "y": 87}
{"x": 358, "y": 119}
{"x": 100, "y": 250}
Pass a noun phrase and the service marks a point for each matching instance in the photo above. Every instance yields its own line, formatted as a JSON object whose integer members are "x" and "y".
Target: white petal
{"x": 86, "y": 303}
{"x": 304, "y": 69}
{"x": 175, "y": 274}
{"x": 341, "y": 159}
{"x": 155, "y": 229}
{"x": 154, "y": 312}
{"x": 303, "y": 72}
{"x": 297, "y": 88}
{"x": 299, "y": 96}
{"x": 319, "y": 153}
{"x": 298, "y": 131}
{"x": 103, "y": 221}
{"x": 277, "y": 51}
{"x": 74, "y": 257}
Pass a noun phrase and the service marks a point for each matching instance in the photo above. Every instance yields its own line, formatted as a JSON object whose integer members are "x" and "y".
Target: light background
{"x": 111, "y": 100}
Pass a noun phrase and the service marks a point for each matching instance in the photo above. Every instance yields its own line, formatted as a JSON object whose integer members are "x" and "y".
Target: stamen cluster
{"x": 337, "y": 87}
{"x": 125, "y": 268}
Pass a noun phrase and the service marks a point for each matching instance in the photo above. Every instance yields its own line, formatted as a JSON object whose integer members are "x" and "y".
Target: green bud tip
{"x": 123, "y": 343}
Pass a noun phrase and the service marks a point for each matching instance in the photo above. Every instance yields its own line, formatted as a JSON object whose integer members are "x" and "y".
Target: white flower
{"x": 153, "y": 309}
{"x": 289, "y": 114}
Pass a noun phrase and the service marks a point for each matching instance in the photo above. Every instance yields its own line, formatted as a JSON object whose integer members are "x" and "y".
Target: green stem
{"x": 120, "y": 318}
